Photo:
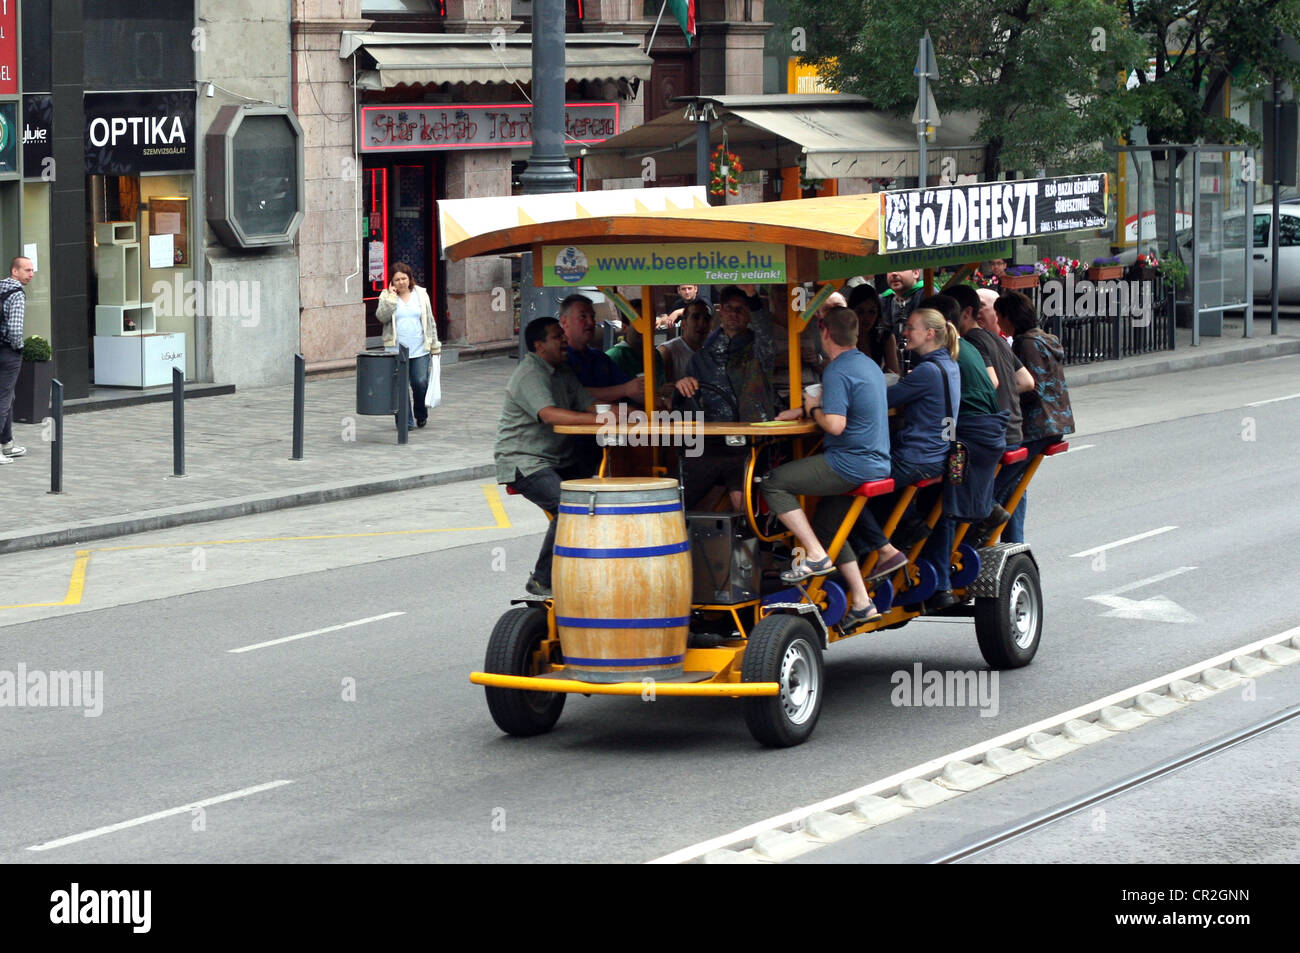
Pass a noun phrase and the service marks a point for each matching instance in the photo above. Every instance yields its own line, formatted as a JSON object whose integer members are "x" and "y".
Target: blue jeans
{"x": 418, "y": 372}
{"x": 1005, "y": 483}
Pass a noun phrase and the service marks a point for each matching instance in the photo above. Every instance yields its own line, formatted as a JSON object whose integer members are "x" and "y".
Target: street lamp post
{"x": 548, "y": 167}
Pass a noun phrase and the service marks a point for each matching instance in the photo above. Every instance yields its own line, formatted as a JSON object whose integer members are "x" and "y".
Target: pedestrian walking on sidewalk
{"x": 13, "y": 311}
{"x": 406, "y": 313}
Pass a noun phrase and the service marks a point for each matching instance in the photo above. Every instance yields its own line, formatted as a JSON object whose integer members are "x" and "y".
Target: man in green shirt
{"x": 530, "y": 455}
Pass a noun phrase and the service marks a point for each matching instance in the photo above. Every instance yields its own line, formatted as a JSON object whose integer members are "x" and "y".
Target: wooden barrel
{"x": 622, "y": 579}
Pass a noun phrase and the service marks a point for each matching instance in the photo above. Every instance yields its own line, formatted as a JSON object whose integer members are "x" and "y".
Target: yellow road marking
{"x": 493, "y": 494}
{"x": 76, "y": 585}
{"x": 77, "y": 582}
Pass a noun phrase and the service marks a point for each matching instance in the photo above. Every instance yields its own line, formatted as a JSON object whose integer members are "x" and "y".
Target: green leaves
{"x": 1053, "y": 80}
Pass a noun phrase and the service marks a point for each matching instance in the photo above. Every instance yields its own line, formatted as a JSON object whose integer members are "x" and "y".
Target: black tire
{"x": 511, "y": 650}
{"x": 785, "y": 649}
{"x": 1010, "y": 626}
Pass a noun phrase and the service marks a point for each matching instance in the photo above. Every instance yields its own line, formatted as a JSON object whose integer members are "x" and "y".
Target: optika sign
{"x": 137, "y": 130}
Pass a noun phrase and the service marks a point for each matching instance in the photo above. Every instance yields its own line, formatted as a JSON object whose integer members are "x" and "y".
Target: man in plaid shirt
{"x": 12, "y": 313}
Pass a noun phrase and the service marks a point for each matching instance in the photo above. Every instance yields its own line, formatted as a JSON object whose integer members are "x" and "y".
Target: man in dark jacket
{"x": 12, "y": 314}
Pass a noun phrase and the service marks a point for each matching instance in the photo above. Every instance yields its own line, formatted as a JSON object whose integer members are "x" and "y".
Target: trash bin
{"x": 375, "y": 373}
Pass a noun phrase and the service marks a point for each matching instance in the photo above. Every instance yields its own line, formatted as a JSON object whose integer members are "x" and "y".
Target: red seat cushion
{"x": 875, "y": 487}
{"x": 930, "y": 481}
{"x": 1056, "y": 448}
{"x": 510, "y": 490}
{"x": 1014, "y": 456}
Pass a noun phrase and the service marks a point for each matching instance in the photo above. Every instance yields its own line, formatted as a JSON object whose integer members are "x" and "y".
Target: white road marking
{"x": 932, "y": 767}
{"x": 170, "y": 812}
{"x": 1272, "y": 400}
{"x": 1155, "y": 609}
{"x": 307, "y": 635}
{"x": 1122, "y": 542}
{"x": 1149, "y": 580}
{"x": 1075, "y": 448}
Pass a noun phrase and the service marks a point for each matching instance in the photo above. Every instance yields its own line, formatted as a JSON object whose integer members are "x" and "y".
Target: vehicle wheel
{"x": 1009, "y": 625}
{"x": 784, "y": 649}
{"x": 513, "y": 650}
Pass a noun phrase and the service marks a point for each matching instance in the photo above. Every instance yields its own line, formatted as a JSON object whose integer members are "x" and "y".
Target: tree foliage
{"x": 1050, "y": 79}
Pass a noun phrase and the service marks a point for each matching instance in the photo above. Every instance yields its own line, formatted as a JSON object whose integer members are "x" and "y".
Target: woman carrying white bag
{"x": 406, "y": 313}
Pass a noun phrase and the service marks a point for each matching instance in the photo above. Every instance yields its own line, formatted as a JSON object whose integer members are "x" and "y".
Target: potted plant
{"x": 1018, "y": 277}
{"x": 1145, "y": 267}
{"x": 32, "y": 392}
{"x": 1105, "y": 269}
{"x": 1173, "y": 270}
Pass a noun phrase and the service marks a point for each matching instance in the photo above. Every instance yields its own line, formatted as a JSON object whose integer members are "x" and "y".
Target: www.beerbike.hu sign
{"x": 390, "y": 128}
{"x": 703, "y": 263}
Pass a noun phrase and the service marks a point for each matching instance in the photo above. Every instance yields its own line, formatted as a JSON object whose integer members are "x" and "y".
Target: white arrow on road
{"x": 1155, "y": 609}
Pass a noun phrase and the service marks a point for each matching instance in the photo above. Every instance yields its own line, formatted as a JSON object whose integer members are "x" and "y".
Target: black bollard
{"x": 178, "y": 422}
{"x": 401, "y": 390}
{"x": 56, "y": 449}
{"x": 299, "y": 400}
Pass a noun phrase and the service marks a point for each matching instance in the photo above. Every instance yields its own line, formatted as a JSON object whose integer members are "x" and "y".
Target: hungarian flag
{"x": 684, "y": 11}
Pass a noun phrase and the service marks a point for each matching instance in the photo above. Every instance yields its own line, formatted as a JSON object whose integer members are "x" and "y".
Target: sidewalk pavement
{"x": 117, "y": 463}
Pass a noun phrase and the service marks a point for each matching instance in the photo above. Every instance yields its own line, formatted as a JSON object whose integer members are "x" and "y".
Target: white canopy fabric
{"x": 835, "y": 136}
{"x": 385, "y": 60}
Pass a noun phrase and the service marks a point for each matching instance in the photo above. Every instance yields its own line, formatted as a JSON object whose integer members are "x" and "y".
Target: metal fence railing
{"x": 1137, "y": 321}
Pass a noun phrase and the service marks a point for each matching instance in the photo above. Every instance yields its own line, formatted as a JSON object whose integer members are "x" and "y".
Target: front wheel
{"x": 783, "y": 649}
{"x": 515, "y": 648}
{"x": 1010, "y": 624}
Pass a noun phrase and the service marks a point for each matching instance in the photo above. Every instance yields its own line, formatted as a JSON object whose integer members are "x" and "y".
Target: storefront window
{"x": 138, "y": 44}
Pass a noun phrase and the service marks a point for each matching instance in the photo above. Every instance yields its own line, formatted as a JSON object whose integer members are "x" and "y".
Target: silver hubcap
{"x": 799, "y": 686}
{"x": 1024, "y": 612}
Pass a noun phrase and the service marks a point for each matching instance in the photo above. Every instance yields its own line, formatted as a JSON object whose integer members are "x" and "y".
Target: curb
{"x": 1101, "y": 374}
{"x": 148, "y": 520}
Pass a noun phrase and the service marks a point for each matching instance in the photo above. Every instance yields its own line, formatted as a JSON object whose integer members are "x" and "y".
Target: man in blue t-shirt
{"x": 852, "y": 411}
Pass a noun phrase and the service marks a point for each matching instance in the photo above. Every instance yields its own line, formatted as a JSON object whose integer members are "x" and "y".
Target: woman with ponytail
{"x": 919, "y": 448}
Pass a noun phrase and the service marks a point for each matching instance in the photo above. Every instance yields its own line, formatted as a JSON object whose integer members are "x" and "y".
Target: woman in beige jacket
{"x": 406, "y": 313}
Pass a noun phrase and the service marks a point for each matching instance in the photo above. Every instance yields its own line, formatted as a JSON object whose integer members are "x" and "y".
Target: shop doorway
{"x": 398, "y": 225}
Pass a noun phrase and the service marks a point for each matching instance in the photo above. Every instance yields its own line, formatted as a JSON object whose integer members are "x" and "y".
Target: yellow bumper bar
{"x": 704, "y": 689}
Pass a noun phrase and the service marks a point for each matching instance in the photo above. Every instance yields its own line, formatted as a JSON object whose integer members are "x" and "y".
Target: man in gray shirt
{"x": 530, "y": 455}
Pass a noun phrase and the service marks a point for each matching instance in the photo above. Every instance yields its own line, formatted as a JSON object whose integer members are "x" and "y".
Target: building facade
{"x": 110, "y": 101}
{"x": 405, "y": 103}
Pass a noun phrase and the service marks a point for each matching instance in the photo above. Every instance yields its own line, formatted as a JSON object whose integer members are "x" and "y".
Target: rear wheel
{"x": 783, "y": 649}
{"x": 515, "y": 648}
{"x": 1010, "y": 624}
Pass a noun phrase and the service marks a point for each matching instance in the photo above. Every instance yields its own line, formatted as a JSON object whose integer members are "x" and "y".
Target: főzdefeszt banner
{"x": 990, "y": 211}
{"x": 703, "y": 263}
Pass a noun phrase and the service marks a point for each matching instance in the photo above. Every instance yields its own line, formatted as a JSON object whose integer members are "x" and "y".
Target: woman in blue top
{"x": 919, "y": 447}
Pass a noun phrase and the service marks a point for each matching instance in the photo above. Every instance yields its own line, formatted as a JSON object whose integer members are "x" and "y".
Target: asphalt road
{"x": 392, "y": 756}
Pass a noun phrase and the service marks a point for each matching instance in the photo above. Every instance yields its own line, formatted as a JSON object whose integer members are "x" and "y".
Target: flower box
{"x": 1105, "y": 272}
{"x": 1016, "y": 282}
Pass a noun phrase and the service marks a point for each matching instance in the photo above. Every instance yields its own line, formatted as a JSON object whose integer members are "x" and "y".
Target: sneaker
{"x": 12, "y": 450}
{"x": 535, "y": 588}
{"x": 4, "y": 459}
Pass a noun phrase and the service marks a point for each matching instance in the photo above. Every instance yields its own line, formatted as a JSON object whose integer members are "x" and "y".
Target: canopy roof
{"x": 847, "y": 224}
{"x": 385, "y": 60}
{"x": 833, "y": 135}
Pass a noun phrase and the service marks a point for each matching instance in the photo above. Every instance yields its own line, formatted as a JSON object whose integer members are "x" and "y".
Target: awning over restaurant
{"x": 833, "y": 136}
{"x": 385, "y": 60}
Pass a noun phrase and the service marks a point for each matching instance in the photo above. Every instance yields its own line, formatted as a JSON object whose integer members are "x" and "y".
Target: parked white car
{"x": 1288, "y": 250}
